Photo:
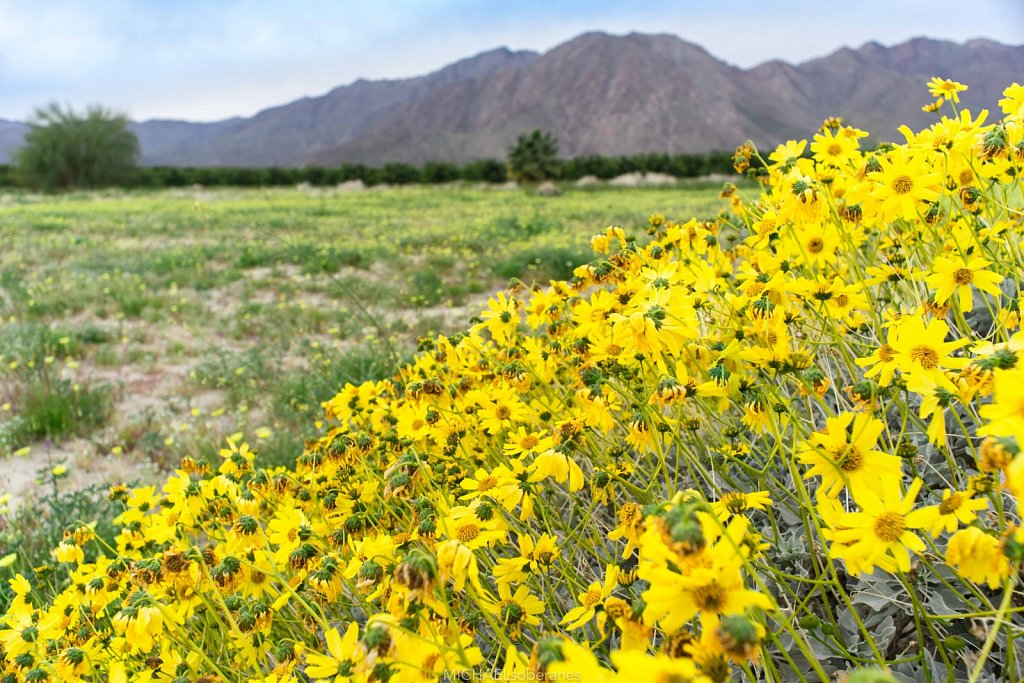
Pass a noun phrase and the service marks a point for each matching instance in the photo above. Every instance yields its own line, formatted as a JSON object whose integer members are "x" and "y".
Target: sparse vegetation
{"x": 780, "y": 441}
{"x": 48, "y": 407}
{"x": 38, "y": 524}
{"x": 148, "y": 326}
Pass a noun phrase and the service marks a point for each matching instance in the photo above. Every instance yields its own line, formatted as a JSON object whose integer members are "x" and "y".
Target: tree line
{"x": 65, "y": 150}
{"x": 434, "y": 172}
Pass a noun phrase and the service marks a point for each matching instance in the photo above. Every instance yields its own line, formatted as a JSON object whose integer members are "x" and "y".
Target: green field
{"x": 139, "y": 328}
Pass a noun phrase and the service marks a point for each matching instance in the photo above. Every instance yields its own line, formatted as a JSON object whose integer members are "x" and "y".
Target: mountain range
{"x": 599, "y": 93}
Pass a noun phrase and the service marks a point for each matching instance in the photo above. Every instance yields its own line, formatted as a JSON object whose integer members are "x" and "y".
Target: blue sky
{"x": 208, "y": 60}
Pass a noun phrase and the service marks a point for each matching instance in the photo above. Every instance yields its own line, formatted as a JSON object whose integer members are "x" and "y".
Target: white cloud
{"x": 203, "y": 61}
{"x": 46, "y": 41}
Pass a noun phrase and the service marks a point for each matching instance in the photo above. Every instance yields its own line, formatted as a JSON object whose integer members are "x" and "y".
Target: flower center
{"x": 902, "y": 184}
{"x": 629, "y": 514}
{"x": 503, "y": 412}
{"x": 926, "y": 356}
{"x": 709, "y": 598}
{"x": 430, "y": 662}
{"x": 886, "y": 353}
{"x": 815, "y": 245}
{"x": 963, "y": 276}
{"x": 467, "y": 532}
{"x": 889, "y": 526}
{"x": 735, "y": 502}
{"x": 951, "y": 504}
{"x": 715, "y": 668}
{"x": 593, "y": 597}
{"x": 512, "y": 612}
{"x": 528, "y": 442}
{"x": 487, "y": 484}
{"x": 834, "y": 150}
{"x": 849, "y": 458}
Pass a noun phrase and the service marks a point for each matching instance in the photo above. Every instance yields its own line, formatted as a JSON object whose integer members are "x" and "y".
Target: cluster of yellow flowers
{"x": 684, "y": 464}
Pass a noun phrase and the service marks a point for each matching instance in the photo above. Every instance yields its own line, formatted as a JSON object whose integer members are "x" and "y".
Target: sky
{"x": 209, "y": 60}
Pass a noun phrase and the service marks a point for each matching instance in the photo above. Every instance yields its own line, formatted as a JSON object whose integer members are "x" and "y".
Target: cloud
{"x": 202, "y": 61}
{"x": 41, "y": 41}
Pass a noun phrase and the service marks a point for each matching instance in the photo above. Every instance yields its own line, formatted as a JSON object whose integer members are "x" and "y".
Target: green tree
{"x": 534, "y": 157}
{"x": 65, "y": 150}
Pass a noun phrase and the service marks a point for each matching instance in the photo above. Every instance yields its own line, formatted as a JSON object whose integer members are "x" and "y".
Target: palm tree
{"x": 534, "y": 157}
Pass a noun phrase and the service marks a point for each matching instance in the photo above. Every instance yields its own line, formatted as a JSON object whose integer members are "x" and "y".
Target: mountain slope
{"x": 605, "y": 94}
{"x": 599, "y": 93}
{"x": 877, "y": 86}
{"x": 281, "y": 135}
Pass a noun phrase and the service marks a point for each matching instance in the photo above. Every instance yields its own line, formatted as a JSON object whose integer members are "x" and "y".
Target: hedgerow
{"x": 430, "y": 173}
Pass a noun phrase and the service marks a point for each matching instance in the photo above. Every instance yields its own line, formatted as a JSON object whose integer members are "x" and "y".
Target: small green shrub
{"x": 280, "y": 450}
{"x": 540, "y": 264}
{"x": 300, "y": 392}
{"x": 54, "y": 408}
{"x": 31, "y": 343}
{"x": 509, "y": 227}
{"x": 425, "y": 287}
{"x": 132, "y": 302}
{"x": 38, "y": 525}
{"x": 257, "y": 256}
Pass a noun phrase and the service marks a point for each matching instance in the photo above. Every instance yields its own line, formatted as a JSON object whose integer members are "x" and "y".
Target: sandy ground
{"x": 159, "y": 389}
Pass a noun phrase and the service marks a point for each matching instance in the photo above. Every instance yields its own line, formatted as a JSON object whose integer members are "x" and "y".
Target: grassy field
{"x": 141, "y": 328}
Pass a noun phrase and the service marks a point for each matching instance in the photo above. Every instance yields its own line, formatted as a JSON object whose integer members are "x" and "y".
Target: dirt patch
{"x": 86, "y": 466}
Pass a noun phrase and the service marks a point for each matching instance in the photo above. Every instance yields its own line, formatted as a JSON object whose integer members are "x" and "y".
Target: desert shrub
{"x": 302, "y": 392}
{"x": 425, "y": 287}
{"x": 30, "y": 532}
{"x": 64, "y": 150}
{"x": 257, "y": 256}
{"x": 50, "y": 407}
{"x": 540, "y": 264}
{"x": 513, "y": 227}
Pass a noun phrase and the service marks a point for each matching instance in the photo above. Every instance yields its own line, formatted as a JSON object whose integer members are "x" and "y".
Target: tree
{"x": 439, "y": 172}
{"x": 65, "y": 150}
{"x": 534, "y": 157}
{"x": 398, "y": 173}
{"x": 485, "y": 170}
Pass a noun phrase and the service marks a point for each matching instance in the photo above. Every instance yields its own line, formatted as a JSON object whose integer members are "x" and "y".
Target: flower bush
{"x": 780, "y": 444}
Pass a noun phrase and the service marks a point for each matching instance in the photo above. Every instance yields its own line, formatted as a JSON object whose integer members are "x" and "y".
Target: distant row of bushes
{"x": 434, "y": 172}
